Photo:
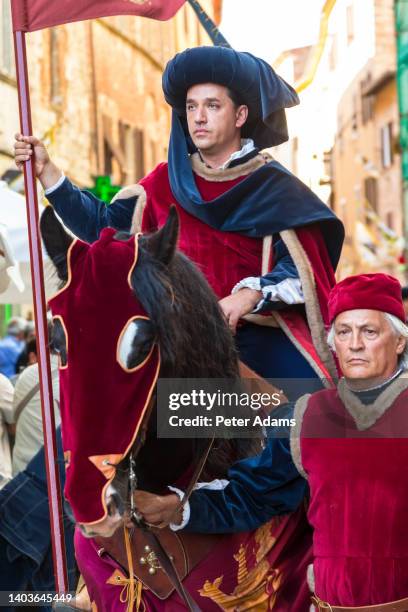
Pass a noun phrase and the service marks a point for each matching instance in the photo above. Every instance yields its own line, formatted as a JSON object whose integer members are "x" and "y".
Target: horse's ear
{"x": 56, "y": 241}
{"x": 163, "y": 243}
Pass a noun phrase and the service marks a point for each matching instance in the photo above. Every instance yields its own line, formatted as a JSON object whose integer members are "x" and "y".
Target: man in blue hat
{"x": 267, "y": 245}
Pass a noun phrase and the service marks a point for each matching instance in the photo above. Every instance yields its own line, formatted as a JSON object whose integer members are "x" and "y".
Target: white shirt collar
{"x": 247, "y": 145}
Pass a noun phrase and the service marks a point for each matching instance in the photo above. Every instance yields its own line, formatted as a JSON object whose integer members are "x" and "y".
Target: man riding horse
{"x": 231, "y": 200}
{"x": 266, "y": 244}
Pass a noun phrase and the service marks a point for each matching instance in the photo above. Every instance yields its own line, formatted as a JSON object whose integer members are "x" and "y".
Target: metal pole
{"x": 209, "y": 26}
{"x": 40, "y": 314}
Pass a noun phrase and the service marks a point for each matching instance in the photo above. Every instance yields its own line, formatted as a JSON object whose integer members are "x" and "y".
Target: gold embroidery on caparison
{"x": 256, "y": 588}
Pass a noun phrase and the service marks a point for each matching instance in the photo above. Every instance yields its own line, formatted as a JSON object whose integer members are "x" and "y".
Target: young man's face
{"x": 214, "y": 122}
{"x": 366, "y": 345}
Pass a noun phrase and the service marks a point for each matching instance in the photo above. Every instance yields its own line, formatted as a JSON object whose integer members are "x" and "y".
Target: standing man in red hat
{"x": 350, "y": 445}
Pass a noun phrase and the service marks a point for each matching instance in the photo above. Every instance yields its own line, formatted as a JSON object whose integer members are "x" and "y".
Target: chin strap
{"x": 163, "y": 558}
{"x": 133, "y": 587}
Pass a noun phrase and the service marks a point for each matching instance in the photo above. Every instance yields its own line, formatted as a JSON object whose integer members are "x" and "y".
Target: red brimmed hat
{"x": 373, "y": 291}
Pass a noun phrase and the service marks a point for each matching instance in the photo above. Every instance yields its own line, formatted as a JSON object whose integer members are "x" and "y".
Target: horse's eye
{"x": 59, "y": 341}
{"x": 135, "y": 343}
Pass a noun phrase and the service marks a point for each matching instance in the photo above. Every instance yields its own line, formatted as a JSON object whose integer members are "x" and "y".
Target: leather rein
{"x": 138, "y": 521}
{"x": 164, "y": 559}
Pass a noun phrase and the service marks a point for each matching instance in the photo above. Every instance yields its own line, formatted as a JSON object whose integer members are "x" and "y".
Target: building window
{"x": 138, "y": 137}
{"x": 7, "y": 58}
{"x": 107, "y": 159}
{"x": 367, "y": 101}
{"x": 367, "y": 108}
{"x": 350, "y": 24}
{"x": 114, "y": 163}
{"x": 131, "y": 141}
{"x": 387, "y": 156}
{"x": 371, "y": 192}
{"x": 107, "y": 149}
{"x": 390, "y": 220}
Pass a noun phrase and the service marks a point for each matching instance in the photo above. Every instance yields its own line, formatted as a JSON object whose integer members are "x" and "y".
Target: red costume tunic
{"x": 358, "y": 475}
{"x": 226, "y": 258}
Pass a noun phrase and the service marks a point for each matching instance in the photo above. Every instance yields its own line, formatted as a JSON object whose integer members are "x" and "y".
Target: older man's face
{"x": 366, "y": 345}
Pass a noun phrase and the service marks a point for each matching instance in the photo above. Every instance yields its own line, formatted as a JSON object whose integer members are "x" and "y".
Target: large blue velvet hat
{"x": 258, "y": 86}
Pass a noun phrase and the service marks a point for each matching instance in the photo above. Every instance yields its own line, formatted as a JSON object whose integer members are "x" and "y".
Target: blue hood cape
{"x": 269, "y": 200}
{"x": 266, "y": 202}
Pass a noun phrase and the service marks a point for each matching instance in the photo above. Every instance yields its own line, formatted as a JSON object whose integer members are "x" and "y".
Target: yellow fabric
{"x": 132, "y": 588}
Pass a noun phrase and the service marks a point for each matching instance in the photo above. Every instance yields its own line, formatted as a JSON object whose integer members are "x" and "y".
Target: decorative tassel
{"x": 132, "y": 588}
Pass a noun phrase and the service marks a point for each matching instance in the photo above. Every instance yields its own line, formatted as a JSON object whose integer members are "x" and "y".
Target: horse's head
{"x": 109, "y": 357}
{"x": 129, "y": 307}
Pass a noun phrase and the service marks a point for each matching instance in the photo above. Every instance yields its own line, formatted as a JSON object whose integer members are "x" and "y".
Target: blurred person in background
{"x": 28, "y": 356}
{"x": 12, "y": 345}
{"x": 27, "y": 413}
{"x": 25, "y": 533}
{"x": 6, "y": 418}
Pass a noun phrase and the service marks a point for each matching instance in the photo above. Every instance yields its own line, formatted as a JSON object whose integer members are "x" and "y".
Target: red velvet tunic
{"x": 225, "y": 258}
{"x": 359, "y": 501}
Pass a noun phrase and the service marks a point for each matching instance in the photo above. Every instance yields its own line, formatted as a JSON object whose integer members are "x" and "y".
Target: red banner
{"x": 30, "y": 15}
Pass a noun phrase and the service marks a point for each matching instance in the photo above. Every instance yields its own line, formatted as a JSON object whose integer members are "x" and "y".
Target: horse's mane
{"x": 194, "y": 339}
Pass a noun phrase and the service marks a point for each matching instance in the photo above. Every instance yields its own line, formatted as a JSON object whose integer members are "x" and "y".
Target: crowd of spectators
{"x": 25, "y": 544}
{"x": 21, "y": 435}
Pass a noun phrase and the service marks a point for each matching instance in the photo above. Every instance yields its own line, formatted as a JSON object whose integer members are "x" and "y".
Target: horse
{"x": 131, "y": 309}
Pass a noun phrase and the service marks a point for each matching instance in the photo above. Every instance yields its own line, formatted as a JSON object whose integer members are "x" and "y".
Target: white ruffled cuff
{"x": 252, "y": 282}
{"x": 288, "y": 291}
{"x": 186, "y": 510}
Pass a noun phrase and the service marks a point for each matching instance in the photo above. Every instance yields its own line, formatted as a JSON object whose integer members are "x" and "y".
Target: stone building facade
{"x": 96, "y": 93}
{"x": 367, "y": 192}
{"x": 344, "y": 134}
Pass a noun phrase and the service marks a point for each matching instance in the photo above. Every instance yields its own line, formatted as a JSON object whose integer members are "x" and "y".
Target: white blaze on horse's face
{"x": 135, "y": 343}
{"x": 114, "y": 519}
{"x": 126, "y": 343}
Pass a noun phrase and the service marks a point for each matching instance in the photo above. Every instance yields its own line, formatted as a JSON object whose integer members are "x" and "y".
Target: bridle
{"x": 163, "y": 558}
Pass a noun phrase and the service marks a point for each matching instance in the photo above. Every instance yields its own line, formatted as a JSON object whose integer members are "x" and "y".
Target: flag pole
{"x": 40, "y": 314}
{"x": 208, "y": 24}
